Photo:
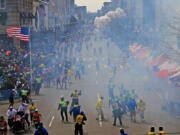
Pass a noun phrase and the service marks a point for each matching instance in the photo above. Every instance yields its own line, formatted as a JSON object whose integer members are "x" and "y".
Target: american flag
{"x": 21, "y": 33}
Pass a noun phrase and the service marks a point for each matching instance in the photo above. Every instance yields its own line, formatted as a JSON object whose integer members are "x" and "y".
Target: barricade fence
{"x": 4, "y": 94}
{"x": 172, "y": 133}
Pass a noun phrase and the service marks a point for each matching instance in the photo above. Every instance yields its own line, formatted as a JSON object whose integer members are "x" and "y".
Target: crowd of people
{"x": 22, "y": 119}
{"x": 14, "y": 65}
{"x": 75, "y": 111}
{"x": 127, "y": 102}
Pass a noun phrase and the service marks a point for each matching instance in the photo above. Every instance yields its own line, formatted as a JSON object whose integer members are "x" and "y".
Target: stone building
{"x": 15, "y": 13}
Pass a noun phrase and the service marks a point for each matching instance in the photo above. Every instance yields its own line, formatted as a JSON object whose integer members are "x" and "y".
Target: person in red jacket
{"x": 37, "y": 118}
{"x": 3, "y": 126}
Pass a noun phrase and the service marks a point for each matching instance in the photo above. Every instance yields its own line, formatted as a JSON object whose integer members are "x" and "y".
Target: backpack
{"x": 79, "y": 119}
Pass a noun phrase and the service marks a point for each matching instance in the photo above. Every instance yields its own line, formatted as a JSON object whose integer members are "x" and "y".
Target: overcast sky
{"x": 92, "y": 5}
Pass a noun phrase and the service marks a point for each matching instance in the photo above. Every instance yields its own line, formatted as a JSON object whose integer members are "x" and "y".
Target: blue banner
{"x": 4, "y": 94}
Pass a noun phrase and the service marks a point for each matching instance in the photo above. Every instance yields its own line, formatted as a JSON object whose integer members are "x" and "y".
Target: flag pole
{"x": 30, "y": 54}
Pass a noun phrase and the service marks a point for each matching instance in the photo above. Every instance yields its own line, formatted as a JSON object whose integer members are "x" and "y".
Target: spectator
{"x": 122, "y": 132}
{"x": 132, "y": 108}
{"x": 3, "y": 126}
{"x": 41, "y": 130}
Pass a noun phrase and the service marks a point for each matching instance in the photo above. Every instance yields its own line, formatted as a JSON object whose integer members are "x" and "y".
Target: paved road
{"x": 48, "y": 102}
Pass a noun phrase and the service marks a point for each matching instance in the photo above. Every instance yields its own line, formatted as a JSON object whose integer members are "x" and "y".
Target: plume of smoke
{"x": 103, "y": 21}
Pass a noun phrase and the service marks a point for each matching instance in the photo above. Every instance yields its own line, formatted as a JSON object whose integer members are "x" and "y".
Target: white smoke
{"x": 103, "y": 21}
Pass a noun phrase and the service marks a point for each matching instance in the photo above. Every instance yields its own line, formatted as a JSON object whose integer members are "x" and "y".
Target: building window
{"x": 2, "y": 4}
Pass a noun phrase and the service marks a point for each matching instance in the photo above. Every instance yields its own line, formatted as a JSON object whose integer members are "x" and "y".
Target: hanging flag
{"x": 175, "y": 79}
{"x": 159, "y": 60}
{"x": 162, "y": 73}
{"x": 142, "y": 53}
{"x": 12, "y": 31}
{"x": 133, "y": 48}
{"x": 169, "y": 65}
{"x": 21, "y": 33}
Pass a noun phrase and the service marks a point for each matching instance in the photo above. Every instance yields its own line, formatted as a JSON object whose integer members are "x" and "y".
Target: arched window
{"x": 2, "y": 4}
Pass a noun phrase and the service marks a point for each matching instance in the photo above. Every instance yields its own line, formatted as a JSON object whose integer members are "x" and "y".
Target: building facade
{"x": 81, "y": 12}
{"x": 15, "y": 13}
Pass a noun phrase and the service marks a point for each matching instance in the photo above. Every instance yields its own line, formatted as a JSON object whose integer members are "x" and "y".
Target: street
{"x": 47, "y": 103}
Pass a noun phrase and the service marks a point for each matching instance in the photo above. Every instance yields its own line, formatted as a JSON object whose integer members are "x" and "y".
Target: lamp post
{"x": 178, "y": 41}
{"x": 55, "y": 26}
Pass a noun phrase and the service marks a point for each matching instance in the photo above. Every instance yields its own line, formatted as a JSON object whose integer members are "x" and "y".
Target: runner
{"x": 132, "y": 109}
{"x": 117, "y": 113}
{"x": 111, "y": 87}
{"x": 11, "y": 97}
{"x": 64, "y": 81}
{"x": 75, "y": 97}
{"x": 70, "y": 74}
{"x": 77, "y": 74}
{"x": 99, "y": 108}
{"x": 75, "y": 110}
{"x": 59, "y": 81}
{"x": 80, "y": 121}
{"x": 141, "y": 107}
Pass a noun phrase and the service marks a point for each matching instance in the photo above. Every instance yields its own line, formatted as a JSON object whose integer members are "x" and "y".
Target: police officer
{"x": 79, "y": 123}
{"x": 24, "y": 95}
{"x": 63, "y": 105}
{"x": 75, "y": 97}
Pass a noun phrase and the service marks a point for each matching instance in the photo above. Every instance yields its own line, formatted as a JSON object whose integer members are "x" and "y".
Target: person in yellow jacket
{"x": 70, "y": 74}
{"x": 161, "y": 131}
{"x": 99, "y": 108}
{"x": 141, "y": 106}
{"x": 32, "y": 109}
{"x": 75, "y": 97}
{"x": 80, "y": 121}
{"x": 152, "y": 131}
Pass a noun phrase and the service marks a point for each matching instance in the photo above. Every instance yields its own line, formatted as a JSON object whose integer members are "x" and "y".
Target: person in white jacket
{"x": 23, "y": 108}
{"x": 11, "y": 112}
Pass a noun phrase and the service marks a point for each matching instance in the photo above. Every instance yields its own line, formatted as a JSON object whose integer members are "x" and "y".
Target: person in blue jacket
{"x": 41, "y": 130}
{"x": 122, "y": 132}
{"x": 75, "y": 110}
{"x": 132, "y": 105}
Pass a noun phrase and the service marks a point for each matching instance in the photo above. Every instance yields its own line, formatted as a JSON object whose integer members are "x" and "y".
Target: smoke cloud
{"x": 103, "y": 21}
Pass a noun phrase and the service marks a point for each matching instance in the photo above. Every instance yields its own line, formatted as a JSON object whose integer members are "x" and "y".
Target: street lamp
{"x": 178, "y": 41}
